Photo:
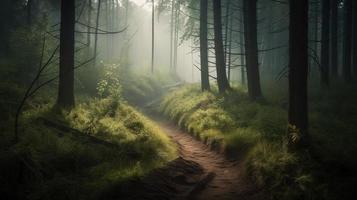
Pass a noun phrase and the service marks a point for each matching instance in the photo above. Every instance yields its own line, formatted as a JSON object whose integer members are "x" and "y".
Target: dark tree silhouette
{"x": 251, "y": 48}
{"x": 334, "y": 38}
{"x": 29, "y": 12}
{"x": 204, "y": 45}
{"x": 347, "y": 39}
{"x": 222, "y": 80}
{"x": 66, "y": 71}
{"x": 325, "y": 45}
{"x": 354, "y": 31}
{"x": 298, "y": 71}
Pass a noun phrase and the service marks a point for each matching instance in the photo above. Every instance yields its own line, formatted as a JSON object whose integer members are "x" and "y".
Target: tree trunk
{"x": 176, "y": 36}
{"x": 347, "y": 39}
{"x": 172, "y": 33}
{"x": 152, "y": 36}
{"x": 96, "y": 32}
{"x": 204, "y": 45}
{"x": 325, "y": 47}
{"x": 66, "y": 71}
{"x": 354, "y": 44}
{"x": 89, "y": 19}
{"x": 334, "y": 38}
{"x": 251, "y": 48}
{"x": 242, "y": 56}
{"x": 29, "y": 12}
{"x": 298, "y": 72}
{"x": 222, "y": 80}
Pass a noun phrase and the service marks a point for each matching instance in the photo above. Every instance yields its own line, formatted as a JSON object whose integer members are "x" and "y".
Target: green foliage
{"x": 257, "y": 132}
{"x": 109, "y": 82}
{"x": 57, "y": 164}
{"x": 282, "y": 174}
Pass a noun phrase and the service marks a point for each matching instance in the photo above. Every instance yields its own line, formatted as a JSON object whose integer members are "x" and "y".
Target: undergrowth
{"x": 256, "y": 131}
{"x": 51, "y": 163}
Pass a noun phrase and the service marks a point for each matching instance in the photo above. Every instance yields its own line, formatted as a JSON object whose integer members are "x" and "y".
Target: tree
{"x": 29, "y": 12}
{"x": 251, "y": 48}
{"x": 334, "y": 38}
{"x": 65, "y": 97}
{"x": 204, "y": 45}
{"x": 152, "y": 36}
{"x": 222, "y": 80}
{"x": 241, "y": 46}
{"x": 298, "y": 73}
{"x": 172, "y": 32}
{"x": 89, "y": 19}
{"x": 354, "y": 31}
{"x": 96, "y": 31}
{"x": 325, "y": 46}
{"x": 347, "y": 39}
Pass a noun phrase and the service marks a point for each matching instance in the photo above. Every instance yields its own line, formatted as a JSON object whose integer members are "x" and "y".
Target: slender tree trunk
{"x": 66, "y": 72}
{"x": 176, "y": 35}
{"x": 347, "y": 39}
{"x": 226, "y": 31}
{"x": 172, "y": 33}
{"x": 298, "y": 74}
{"x": 316, "y": 33}
{"x": 29, "y": 12}
{"x": 152, "y": 36}
{"x": 242, "y": 56}
{"x": 89, "y": 19}
{"x": 325, "y": 47}
{"x": 204, "y": 45}
{"x": 96, "y": 31}
{"x": 251, "y": 48}
{"x": 230, "y": 51}
{"x": 222, "y": 80}
{"x": 354, "y": 31}
{"x": 334, "y": 38}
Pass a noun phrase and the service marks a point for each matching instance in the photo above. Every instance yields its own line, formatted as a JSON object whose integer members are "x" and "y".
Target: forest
{"x": 178, "y": 99}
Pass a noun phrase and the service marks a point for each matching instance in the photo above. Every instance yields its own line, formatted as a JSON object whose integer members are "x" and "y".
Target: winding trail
{"x": 227, "y": 181}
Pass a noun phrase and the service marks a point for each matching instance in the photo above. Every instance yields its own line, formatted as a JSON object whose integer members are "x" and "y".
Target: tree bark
{"x": 204, "y": 45}
{"x": 96, "y": 32}
{"x": 222, "y": 80}
{"x": 66, "y": 72}
{"x": 242, "y": 56}
{"x": 325, "y": 47}
{"x": 89, "y": 19}
{"x": 29, "y": 12}
{"x": 354, "y": 44}
{"x": 298, "y": 74}
{"x": 172, "y": 33}
{"x": 347, "y": 39}
{"x": 152, "y": 36}
{"x": 334, "y": 38}
{"x": 251, "y": 48}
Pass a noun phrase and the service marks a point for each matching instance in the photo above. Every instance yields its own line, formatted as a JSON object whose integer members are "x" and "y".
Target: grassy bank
{"x": 81, "y": 154}
{"x": 256, "y": 132}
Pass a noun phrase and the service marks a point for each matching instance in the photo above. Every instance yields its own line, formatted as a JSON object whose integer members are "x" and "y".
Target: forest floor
{"x": 199, "y": 173}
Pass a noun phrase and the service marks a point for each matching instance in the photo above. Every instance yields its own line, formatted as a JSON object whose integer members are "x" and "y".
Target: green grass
{"x": 256, "y": 131}
{"x": 58, "y": 165}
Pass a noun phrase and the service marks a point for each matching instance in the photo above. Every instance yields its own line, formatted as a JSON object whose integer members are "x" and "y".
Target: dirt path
{"x": 228, "y": 181}
{"x": 198, "y": 174}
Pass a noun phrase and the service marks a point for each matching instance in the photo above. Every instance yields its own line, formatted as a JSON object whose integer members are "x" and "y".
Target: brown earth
{"x": 198, "y": 174}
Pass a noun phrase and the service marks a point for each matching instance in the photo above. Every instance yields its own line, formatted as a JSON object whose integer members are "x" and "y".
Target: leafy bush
{"x": 109, "y": 83}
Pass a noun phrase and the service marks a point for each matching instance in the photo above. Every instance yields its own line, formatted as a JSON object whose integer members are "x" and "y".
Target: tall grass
{"x": 257, "y": 132}
{"x": 49, "y": 163}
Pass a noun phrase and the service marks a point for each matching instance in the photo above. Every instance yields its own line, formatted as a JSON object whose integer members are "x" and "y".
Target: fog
{"x": 136, "y": 42}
